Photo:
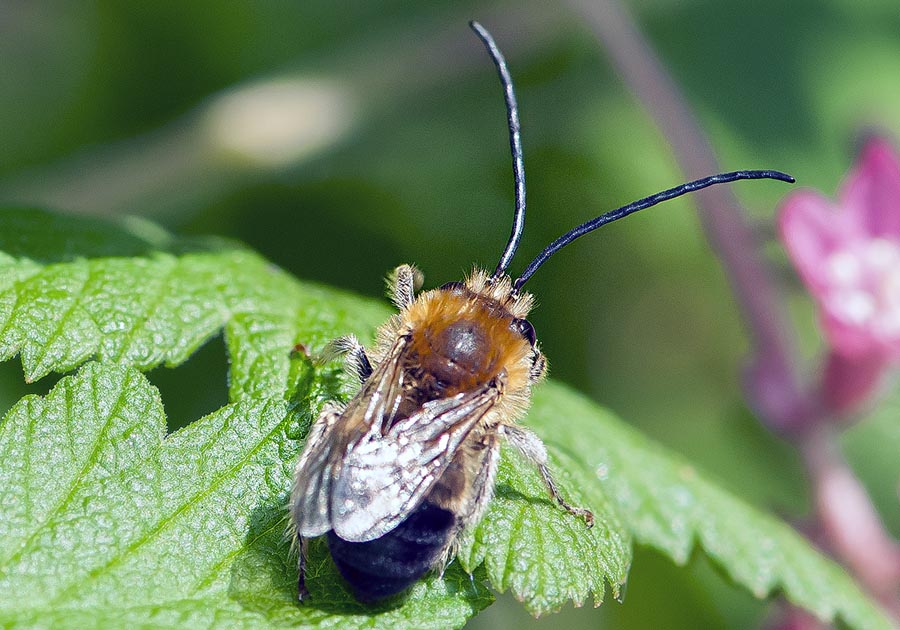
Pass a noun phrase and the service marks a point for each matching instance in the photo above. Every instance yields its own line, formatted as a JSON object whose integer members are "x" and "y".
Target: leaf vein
{"x": 75, "y": 304}
{"x": 158, "y": 291}
{"x": 97, "y": 445}
{"x": 174, "y": 514}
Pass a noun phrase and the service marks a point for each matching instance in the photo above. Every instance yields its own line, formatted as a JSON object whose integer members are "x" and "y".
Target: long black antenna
{"x": 641, "y": 204}
{"x": 515, "y": 145}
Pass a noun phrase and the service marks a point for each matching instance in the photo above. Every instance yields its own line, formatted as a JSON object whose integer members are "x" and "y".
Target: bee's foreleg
{"x": 531, "y": 446}
{"x": 355, "y": 357}
{"x": 538, "y": 368}
{"x": 402, "y": 285}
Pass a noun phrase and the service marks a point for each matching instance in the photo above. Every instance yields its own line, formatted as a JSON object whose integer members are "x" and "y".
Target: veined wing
{"x": 384, "y": 476}
{"x": 322, "y": 459}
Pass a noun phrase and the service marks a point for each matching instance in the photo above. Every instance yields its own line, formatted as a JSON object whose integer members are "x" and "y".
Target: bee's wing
{"x": 312, "y": 479}
{"x": 384, "y": 476}
{"x": 322, "y": 459}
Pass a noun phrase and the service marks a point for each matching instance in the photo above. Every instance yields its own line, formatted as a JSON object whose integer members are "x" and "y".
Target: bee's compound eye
{"x": 453, "y": 287}
{"x": 524, "y": 328}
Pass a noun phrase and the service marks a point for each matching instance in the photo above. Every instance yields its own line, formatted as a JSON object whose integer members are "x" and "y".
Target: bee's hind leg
{"x": 354, "y": 354}
{"x": 302, "y": 591}
{"x": 531, "y": 446}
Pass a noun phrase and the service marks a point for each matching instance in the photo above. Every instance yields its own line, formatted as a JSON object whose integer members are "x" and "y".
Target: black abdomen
{"x": 388, "y": 565}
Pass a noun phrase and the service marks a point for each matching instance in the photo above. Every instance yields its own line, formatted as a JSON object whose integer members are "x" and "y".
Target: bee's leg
{"x": 533, "y": 449}
{"x": 315, "y": 442}
{"x": 403, "y": 283}
{"x": 354, "y": 354}
{"x": 538, "y": 368}
{"x": 482, "y": 491}
{"x": 483, "y": 485}
{"x": 302, "y": 591}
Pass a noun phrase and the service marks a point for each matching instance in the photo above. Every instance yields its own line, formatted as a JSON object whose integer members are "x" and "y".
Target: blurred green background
{"x": 388, "y": 145}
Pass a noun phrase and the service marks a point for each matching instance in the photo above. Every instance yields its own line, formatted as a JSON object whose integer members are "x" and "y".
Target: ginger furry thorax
{"x": 492, "y": 305}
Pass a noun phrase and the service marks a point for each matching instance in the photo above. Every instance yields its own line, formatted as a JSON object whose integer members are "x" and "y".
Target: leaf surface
{"x": 107, "y": 521}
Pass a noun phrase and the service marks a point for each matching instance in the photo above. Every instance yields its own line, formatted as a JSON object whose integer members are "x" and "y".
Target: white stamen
{"x": 854, "y": 306}
{"x": 881, "y": 253}
{"x": 843, "y": 267}
{"x": 865, "y": 288}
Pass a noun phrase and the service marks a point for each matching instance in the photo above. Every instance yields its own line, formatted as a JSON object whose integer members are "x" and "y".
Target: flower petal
{"x": 812, "y": 228}
{"x": 871, "y": 191}
{"x": 849, "y": 339}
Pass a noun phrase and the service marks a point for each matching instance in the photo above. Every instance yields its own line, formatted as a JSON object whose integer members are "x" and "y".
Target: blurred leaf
{"x": 102, "y": 505}
{"x": 48, "y": 237}
{"x": 871, "y": 446}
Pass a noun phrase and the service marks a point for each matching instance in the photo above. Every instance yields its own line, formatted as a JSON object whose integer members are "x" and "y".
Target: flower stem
{"x": 845, "y": 514}
{"x": 773, "y": 386}
{"x": 849, "y": 383}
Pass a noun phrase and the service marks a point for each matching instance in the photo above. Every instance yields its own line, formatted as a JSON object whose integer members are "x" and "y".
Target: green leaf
{"x": 157, "y": 310}
{"x": 669, "y": 505}
{"x": 543, "y": 555}
{"x": 108, "y": 522}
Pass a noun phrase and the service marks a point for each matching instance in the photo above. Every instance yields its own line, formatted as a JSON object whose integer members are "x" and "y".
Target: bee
{"x": 393, "y": 477}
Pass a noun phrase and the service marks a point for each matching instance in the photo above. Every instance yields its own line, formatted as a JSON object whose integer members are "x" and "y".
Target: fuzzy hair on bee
{"x": 395, "y": 475}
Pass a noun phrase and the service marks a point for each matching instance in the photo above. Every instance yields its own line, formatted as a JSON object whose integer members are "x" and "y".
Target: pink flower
{"x": 848, "y": 255}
